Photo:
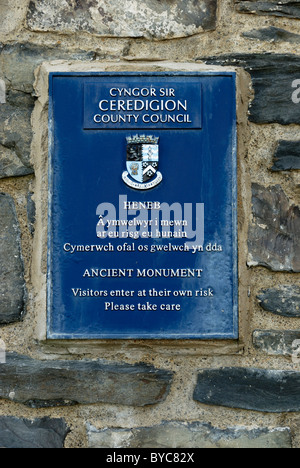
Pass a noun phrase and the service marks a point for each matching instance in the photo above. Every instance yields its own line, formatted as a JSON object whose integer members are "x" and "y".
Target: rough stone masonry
{"x": 130, "y": 393}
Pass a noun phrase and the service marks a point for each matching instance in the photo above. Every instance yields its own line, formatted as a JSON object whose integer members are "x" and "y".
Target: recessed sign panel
{"x": 142, "y": 212}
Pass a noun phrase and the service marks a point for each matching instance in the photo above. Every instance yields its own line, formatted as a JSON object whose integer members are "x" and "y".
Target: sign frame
{"x": 100, "y": 336}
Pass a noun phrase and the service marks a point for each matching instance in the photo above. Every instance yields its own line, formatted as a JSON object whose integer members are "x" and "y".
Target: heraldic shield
{"x": 142, "y": 162}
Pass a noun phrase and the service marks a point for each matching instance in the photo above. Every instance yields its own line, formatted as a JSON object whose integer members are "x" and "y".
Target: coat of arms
{"x": 142, "y": 162}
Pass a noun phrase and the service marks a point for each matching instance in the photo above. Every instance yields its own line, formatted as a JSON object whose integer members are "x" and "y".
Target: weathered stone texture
{"x": 2, "y": 92}
{"x": 39, "y": 433}
{"x": 283, "y": 301}
{"x": 15, "y": 135}
{"x": 274, "y": 235}
{"x": 287, "y": 8}
{"x": 287, "y": 156}
{"x": 272, "y": 78}
{"x": 17, "y": 64}
{"x": 19, "y": 60}
{"x": 42, "y": 384}
{"x": 164, "y": 19}
{"x": 273, "y": 34}
{"x": 177, "y": 434}
{"x": 12, "y": 283}
{"x": 12, "y": 14}
{"x": 277, "y": 342}
{"x": 270, "y": 391}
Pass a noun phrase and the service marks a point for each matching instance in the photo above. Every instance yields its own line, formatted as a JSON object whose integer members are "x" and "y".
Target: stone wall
{"x": 154, "y": 393}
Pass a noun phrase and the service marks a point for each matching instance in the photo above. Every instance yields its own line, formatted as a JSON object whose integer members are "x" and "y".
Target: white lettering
{"x": 153, "y": 220}
{"x": 101, "y": 105}
{"x": 138, "y": 105}
{"x": 97, "y": 118}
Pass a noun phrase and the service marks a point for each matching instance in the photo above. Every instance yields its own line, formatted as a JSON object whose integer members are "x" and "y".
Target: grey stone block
{"x": 270, "y": 391}
{"x": 18, "y": 60}
{"x": 176, "y": 434}
{"x": 42, "y": 384}
{"x": 15, "y": 135}
{"x": 274, "y": 235}
{"x": 12, "y": 283}
{"x": 286, "y": 8}
{"x": 17, "y": 64}
{"x": 287, "y": 156}
{"x": 38, "y": 433}
{"x": 277, "y": 342}
{"x": 164, "y": 19}
{"x": 273, "y": 34}
{"x": 272, "y": 77}
{"x": 283, "y": 301}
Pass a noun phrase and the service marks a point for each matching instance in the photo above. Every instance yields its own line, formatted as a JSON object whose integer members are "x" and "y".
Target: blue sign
{"x": 143, "y": 206}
